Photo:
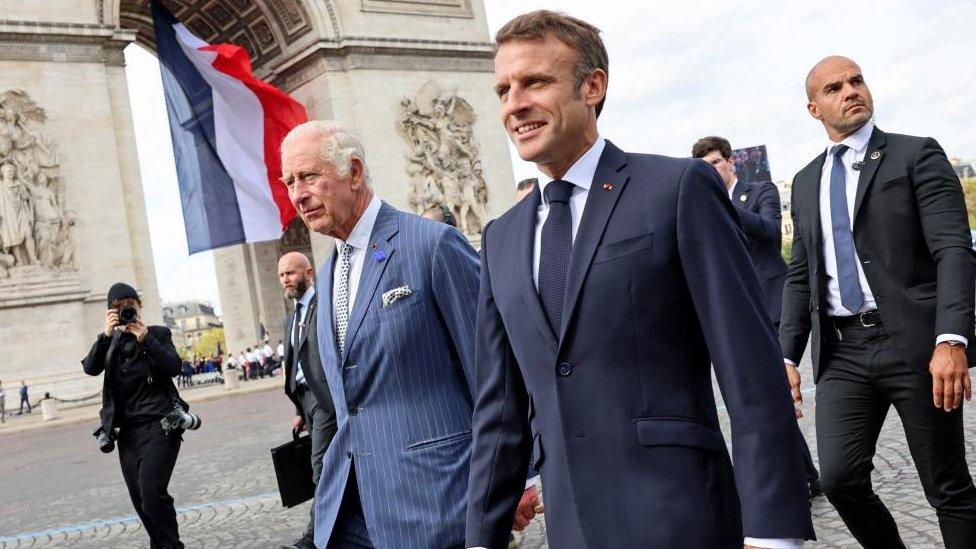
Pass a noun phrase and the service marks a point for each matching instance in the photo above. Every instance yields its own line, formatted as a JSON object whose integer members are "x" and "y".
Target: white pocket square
{"x": 396, "y": 294}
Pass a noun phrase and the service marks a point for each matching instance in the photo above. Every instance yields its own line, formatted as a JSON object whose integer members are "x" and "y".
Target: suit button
{"x": 349, "y": 455}
{"x": 565, "y": 369}
{"x": 353, "y": 410}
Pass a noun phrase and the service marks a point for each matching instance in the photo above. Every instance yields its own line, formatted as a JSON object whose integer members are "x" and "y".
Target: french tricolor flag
{"x": 226, "y": 127}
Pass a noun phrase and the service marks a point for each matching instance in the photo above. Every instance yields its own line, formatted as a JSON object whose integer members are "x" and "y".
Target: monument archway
{"x": 412, "y": 76}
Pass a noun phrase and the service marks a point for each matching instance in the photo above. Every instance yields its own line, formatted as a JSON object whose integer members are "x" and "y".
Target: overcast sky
{"x": 678, "y": 71}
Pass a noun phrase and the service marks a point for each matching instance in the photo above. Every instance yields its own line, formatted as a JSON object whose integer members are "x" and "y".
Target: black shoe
{"x": 814, "y": 488}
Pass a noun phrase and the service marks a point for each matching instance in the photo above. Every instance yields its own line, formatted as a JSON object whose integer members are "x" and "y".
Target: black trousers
{"x": 863, "y": 376}
{"x": 148, "y": 456}
{"x": 321, "y": 429}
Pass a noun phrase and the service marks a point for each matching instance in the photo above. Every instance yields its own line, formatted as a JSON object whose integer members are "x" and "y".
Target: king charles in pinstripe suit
{"x": 396, "y": 320}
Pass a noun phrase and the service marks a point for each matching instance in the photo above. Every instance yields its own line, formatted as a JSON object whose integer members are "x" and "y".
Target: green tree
{"x": 206, "y": 344}
{"x": 969, "y": 189}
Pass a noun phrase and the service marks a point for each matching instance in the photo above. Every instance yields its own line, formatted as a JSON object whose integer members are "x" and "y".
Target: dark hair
{"x": 706, "y": 145}
{"x": 579, "y": 35}
{"x": 527, "y": 183}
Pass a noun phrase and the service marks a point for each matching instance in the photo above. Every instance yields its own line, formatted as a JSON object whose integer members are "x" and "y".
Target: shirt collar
{"x": 359, "y": 237}
{"x": 581, "y": 172}
{"x": 857, "y": 141}
{"x": 307, "y": 297}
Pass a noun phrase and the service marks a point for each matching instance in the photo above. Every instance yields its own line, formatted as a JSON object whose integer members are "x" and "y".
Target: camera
{"x": 127, "y": 315}
{"x": 179, "y": 419}
{"x": 106, "y": 439}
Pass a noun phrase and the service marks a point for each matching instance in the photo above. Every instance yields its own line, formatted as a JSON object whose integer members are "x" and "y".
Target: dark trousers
{"x": 321, "y": 429}
{"x": 863, "y": 376}
{"x": 148, "y": 456}
{"x": 350, "y": 530}
{"x": 24, "y": 400}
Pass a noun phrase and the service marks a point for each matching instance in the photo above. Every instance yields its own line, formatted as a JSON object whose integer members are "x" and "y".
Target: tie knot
{"x": 558, "y": 191}
{"x": 345, "y": 249}
{"x": 298, "y": 306}
{"x": 838, "y": 149}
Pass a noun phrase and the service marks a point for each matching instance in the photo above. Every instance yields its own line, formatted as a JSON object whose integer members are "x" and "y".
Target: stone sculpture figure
{"x": 16, "y": 216}
{"x": 34, "y": 228}
{"x": 443, "y": 164}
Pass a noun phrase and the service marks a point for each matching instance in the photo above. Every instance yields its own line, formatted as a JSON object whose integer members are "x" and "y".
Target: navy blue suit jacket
{"x": 618, "y": 406}
{"x": 759, "y": 211}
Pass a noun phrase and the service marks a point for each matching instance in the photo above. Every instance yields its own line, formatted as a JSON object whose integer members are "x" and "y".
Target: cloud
{"x": 679, "y": 71}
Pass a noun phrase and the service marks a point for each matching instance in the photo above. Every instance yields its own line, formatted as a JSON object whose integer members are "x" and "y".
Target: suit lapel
{"x": 328, "y": 348}
{"x": 385, "y": 228}
{"x": 607, "y": 186}
{"x": 524, "y": 259}
{"x": 873, "y": 157}
{"x": 738, "y": 191}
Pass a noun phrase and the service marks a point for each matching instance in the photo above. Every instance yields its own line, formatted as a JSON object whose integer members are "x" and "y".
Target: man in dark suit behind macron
{"x": 604, "y": 298}
{"x": 761, "y": 220}
{"x": 881, "y": 282}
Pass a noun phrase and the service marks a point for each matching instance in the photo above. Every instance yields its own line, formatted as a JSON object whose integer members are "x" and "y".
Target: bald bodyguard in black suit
{"x": 882, "y": 280}
{"x": 305, "y": 383}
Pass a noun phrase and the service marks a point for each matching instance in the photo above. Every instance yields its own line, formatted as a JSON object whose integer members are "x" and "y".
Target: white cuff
{"x": 775, "y": 543}
{"x": 788, "y": 361}
{"x": 952, "y": 337}
{"x": 531, "y": 482}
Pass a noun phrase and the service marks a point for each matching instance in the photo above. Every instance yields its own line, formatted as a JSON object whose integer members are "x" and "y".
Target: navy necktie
{"x": 851, "y": 296}
{"x": 557, "y": 243}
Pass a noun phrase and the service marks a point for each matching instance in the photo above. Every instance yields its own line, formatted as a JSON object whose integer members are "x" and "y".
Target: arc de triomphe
{"x": 412, "y": 76}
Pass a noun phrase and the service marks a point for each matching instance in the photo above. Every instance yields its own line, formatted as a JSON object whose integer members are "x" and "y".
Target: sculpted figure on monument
{"x": 34, "y": 227}
{"x": 16, "y": 216}
{"x": 443, "y": 163}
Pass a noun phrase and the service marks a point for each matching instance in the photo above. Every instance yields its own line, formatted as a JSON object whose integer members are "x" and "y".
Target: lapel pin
{"x": 607, "y": 187}
{"x": 742, "y": 198}
{"x": 875, "y": 155}
{"x": 379, "y": 255}
{"x": 373, "y": 245}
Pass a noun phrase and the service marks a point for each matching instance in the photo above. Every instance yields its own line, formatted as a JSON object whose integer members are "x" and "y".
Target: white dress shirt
{"x": 857, "y": 144}
{"x": 297, "y": 328}
{"x": 359, "y": 240}
{"x": 580, "y": 174}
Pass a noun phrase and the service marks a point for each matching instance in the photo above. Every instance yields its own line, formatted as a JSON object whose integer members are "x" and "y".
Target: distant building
{"x": 189, "y": 320}
{"x": 964, "y": 169}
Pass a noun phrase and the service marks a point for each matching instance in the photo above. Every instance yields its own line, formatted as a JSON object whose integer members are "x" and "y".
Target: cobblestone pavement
{"x": 59, "y": 491}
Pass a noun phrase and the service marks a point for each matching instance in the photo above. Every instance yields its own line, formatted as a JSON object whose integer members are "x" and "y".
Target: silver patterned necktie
{"x": 342, "y": 297}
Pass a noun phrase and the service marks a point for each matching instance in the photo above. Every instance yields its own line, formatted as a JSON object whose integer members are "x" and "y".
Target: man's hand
{"x": 950, "y": 376}
{"x": 793, "y": 375}
{"x": 299, "y": 424}
{"x": 526, "y": 509}
{"x": 111, "y": 321}
{"x": 138, "y": 329}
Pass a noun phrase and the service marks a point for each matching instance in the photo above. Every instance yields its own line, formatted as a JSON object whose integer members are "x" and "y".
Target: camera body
{"x": 179, "y": 420}
{"x": 127, "y": 315}
{"x": 106, "y": 439}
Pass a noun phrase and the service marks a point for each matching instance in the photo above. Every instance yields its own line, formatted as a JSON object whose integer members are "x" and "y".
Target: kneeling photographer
{"x": 141, "y": 409}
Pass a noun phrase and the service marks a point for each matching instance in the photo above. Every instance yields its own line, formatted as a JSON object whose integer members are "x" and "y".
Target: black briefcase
{"x": 293, "y": 469}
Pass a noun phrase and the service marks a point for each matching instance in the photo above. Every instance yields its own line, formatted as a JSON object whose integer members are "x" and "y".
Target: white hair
{"x": 339, "y": 144}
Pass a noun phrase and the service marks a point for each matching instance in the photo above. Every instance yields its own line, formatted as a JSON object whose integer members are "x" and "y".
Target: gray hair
{"x": 339, "y": 144}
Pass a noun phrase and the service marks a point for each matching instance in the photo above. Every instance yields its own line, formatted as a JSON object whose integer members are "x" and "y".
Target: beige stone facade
{"x": 352, "y": 60}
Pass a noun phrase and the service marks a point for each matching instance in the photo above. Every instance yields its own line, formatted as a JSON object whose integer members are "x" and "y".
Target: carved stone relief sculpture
{"x": 35, "y": 227}
{"x": 442, "y": 160}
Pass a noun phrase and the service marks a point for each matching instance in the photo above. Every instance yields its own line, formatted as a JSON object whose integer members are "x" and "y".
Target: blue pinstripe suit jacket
{"x": 404, "y": 392}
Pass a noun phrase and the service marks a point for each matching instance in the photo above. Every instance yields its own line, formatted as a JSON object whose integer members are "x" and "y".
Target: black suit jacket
{"x": 759, "y": 212}
{"x": 308, "y": 352}
{"x": 912, "y": 236}
{"x": 617, "y": 404}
